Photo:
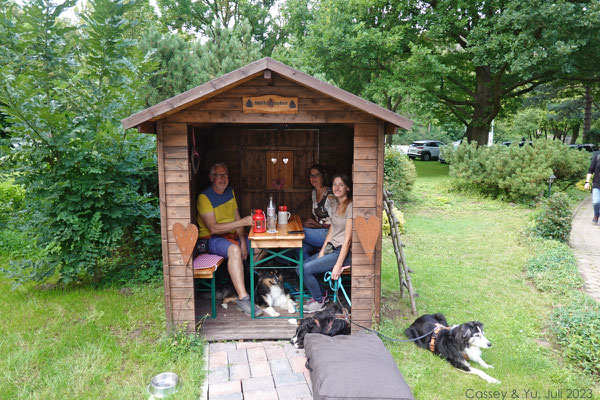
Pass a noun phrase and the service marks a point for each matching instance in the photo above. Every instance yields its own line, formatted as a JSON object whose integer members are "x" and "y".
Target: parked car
{"x": 589, "y": 147}
{"x": 441, "y": 156}
{"x": 425, "y": 149}
{"x": 521, "y": 143}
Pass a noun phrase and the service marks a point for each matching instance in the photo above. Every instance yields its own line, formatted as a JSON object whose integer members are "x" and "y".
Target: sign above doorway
{"x": 270, "y": 104}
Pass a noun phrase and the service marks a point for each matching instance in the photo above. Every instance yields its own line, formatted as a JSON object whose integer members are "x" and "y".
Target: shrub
{"x": 399, "y": 174}
{"x": 385, "y": 224}
{"x": 11, "y": 202}
{"x": 553, "y": 218}
{"x": 516, "y": 173}
{"x": 554, "y": 268}
{"x": 577, "y": 329}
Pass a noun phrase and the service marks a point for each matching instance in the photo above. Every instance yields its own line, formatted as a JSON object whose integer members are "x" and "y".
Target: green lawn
{"x": 90, "y": 344}
{"x": 468, "y": 253}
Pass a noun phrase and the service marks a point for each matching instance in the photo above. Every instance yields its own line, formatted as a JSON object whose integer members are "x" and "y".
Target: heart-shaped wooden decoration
{"x": 368, "y": 233}
{"x": 186, "y": 239}
{"x": 278, "y": 183}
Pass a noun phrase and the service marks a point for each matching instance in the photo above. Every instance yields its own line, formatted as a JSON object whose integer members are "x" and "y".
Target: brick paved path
{"x": 256, "y": 370}
{"x": 585, "y": 241}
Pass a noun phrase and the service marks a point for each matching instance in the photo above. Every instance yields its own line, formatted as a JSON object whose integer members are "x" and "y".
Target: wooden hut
{"x": 263, "y": 111}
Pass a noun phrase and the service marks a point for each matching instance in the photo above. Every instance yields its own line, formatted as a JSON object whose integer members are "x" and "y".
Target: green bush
{"x": 399, "y": 174}
{"x": 554, "y": 268}
{"x": 11, "y": 202}
{"x": 516, "y": 173}
{"x": 577, "y": 329}
{"x": 552, "y": 220}
{"x": 385, "y": 224}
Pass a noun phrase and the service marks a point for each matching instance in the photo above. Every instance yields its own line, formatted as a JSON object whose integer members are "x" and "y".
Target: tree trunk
{"x": 484, "y": 110}
{"x": 574, "y": 133}
{"x": 587, "y": 114}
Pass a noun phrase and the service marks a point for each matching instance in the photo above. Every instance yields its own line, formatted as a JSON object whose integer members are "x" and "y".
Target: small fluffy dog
{"x": 457, "y": 344}
{"x": 270, "y": 293}
{"x": 323, "y": 322}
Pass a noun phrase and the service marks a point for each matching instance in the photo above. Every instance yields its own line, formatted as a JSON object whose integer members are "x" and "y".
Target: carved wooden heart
{"x": 368, "y": 233}
{"x": 278, "y": 183}
{"x": 186, "y": 239}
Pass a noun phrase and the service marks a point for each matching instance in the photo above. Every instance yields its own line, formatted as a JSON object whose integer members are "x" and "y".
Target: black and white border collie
{"x": 270, "y": 293}
{"x": 457, "y": 344}
{"x": 323, "y": 322}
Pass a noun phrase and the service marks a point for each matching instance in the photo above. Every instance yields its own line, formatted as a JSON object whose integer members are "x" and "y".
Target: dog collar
{"x": 329, "y": 325}
{"x": 436, "y": 331}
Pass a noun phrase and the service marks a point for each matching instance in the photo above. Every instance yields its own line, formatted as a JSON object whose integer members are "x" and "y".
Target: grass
{"x": 468, "y": 255}
{"x": 90, "y": 344}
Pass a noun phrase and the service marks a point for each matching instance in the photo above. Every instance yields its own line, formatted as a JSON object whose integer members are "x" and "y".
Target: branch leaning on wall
{"x": 403, "y": 270}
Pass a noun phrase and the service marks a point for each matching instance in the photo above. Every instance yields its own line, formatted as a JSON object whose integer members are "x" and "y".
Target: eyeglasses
{"x": 315, "y": 175}
{"x": 221, "y": 176}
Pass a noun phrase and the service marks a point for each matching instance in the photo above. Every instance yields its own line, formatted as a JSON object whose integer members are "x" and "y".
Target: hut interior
{"x": 263, "y": 160}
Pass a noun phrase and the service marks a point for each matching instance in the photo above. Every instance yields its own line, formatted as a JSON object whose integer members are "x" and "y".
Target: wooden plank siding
{"x": 339, "y": 136}
{"x": 175, "y": 193}
{"x": 367, "y": 176}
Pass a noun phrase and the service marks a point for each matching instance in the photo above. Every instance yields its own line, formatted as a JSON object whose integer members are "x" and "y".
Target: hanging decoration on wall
{"x": 270, "y": 104}
{"x": 186, "y": 239}
{"x": 280, "y": 174}
{"x": 368, "y": 233}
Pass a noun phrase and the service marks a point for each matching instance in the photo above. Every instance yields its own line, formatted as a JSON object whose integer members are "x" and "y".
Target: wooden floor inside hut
{"x": 232, "y": 324}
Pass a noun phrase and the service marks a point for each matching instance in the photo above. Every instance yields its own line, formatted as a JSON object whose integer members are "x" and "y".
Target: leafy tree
{"x": 208, "y": 17}
{"x": 477, "y": 55}
{"x": 359, "y": 45}
{"x": 89, "y": 185}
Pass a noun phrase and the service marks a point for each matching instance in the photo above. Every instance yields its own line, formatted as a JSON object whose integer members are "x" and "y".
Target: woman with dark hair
{"x": 316, "y": 229}
{"x": 335, "y": 251}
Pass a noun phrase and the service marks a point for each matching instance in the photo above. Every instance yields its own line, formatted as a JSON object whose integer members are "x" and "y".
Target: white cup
{"x": 282, "y": 217}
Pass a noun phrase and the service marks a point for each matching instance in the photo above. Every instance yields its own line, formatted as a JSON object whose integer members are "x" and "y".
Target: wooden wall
{"x": 326, "y": 130}
{"x": 174, "y": 192}
{"x": 368, "y": 201}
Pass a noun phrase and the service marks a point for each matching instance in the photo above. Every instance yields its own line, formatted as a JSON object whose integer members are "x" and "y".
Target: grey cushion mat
{"x": 357, "y": 366}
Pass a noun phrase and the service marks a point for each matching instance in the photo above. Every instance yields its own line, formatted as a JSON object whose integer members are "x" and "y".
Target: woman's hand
{"x": 336, "y": 272}
{"x": 586, "y": 186}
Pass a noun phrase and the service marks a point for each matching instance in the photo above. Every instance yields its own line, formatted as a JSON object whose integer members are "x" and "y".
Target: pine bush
{"x": 516, "y": 173}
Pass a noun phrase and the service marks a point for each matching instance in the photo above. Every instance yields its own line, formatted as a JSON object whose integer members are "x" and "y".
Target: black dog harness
{"x": 329, "y": 325}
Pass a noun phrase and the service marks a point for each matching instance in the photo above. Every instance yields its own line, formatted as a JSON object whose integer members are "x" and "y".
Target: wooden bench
{"x": 205, "y": 265}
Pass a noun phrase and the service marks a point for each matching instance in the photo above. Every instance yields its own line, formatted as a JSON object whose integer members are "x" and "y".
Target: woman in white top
{"x": 335, "y": 251}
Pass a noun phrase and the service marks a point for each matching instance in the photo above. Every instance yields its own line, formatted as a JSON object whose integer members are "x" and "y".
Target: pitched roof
{"x": 250, "y": 71}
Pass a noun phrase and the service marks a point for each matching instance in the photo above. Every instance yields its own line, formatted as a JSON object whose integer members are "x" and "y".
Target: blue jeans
{"x": 315, "y": 265}
{"x": 313, "y": 240}
{"x": 596, "y": 201}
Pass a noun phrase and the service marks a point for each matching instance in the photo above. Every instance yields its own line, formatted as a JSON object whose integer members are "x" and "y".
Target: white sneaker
{"x": 312, "y": 306}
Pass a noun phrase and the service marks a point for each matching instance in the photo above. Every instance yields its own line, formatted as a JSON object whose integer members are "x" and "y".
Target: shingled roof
{"x": 250, "y": 71}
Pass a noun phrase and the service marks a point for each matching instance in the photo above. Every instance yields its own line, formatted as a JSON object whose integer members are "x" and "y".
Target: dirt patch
{"x": 393, "y": 307}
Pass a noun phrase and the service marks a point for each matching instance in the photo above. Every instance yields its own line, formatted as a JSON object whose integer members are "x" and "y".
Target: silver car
{"x": 425, "y": 149}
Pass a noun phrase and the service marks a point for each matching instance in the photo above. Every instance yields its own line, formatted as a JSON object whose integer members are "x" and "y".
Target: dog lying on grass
{"x": 457, "y": 344}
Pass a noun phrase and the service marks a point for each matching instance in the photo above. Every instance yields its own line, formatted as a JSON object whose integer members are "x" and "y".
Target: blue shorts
{"x": 219, "y": 245}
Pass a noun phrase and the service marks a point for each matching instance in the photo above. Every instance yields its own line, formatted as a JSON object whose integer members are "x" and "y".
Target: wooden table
{"x": 282, "y": 241}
